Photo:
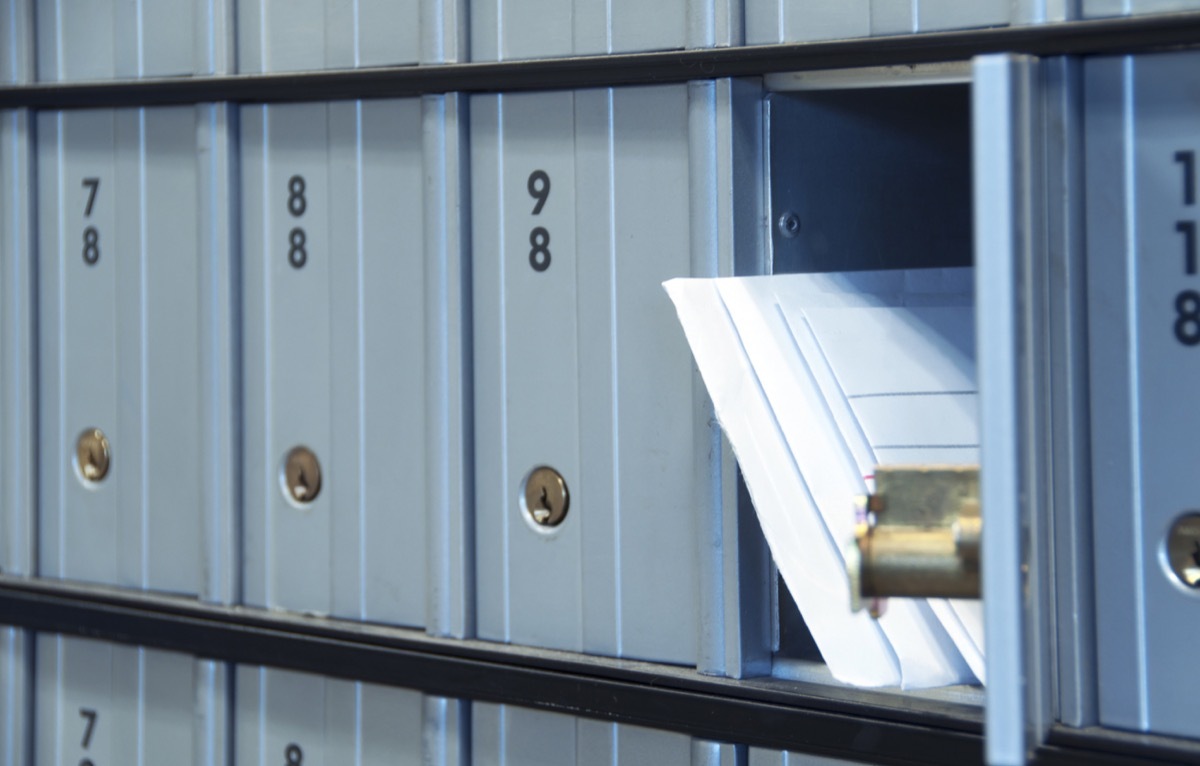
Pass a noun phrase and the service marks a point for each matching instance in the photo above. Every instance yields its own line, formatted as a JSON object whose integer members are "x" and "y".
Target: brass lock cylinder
{"x": 92, "y": 455}
{"x": 919, "y": 536}
{"x": 545, "y": 498}
{"x": 301, "y": 476}
{"x": 916, "y": 563}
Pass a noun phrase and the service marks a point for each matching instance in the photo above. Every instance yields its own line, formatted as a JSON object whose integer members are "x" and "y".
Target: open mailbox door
{"x": 1032, "y": 357}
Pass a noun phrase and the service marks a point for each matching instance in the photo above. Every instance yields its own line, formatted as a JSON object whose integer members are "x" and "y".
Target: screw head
{"x": 546, "y": 498}
{"x": 789, "y": 225}
{"x": 92, "y": 455}
{"x": 302, "y": 475}
{"x": 1183, "y": 549}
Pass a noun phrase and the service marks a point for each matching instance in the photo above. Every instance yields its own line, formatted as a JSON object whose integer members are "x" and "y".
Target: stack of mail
{"x": 816, "y": 379}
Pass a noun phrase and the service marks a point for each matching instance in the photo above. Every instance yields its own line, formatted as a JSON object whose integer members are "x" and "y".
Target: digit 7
{"x": 93, "y": 184}
{"x": 90, "y": 715}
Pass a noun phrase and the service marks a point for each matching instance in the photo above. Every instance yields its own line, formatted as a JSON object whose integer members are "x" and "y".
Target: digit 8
{"x": 539, "y": 253}
{"x": 1187, "y": 317}
{"x": 91, "y": 246}
{"x": 297, "y": 253}
{"x": 296, "y": 202}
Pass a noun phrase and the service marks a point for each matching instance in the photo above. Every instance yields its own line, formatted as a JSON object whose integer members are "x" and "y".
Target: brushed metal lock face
{"x": 302, "y": 475}
{"x": 92, "y": 456}
{"x": 546, "y": 498}
{"x": 1183, "y": 549}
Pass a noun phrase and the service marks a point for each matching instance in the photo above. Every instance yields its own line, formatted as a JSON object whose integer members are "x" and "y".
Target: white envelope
{"x": 816, "y": 379}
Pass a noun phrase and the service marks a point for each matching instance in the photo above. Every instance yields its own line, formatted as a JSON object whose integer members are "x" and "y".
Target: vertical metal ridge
{"x": 1000, "y": 117}
{"x": 1132, "y": 315}
{"x": 143, "y": 356}
{"x": 615, "y": 371}
{"x": 361, "y": 339}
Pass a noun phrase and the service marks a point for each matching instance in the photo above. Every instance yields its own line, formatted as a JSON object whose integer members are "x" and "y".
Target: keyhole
{"x": 92, "y": 455}
{"x": 543, "y": 511}
{"x": 1183, "y": 549}
{"x": 544, "y": 497}
{"x": 301, "y": 475}
{"x": 93, "y": 459}
{"x": 301, "y": 485}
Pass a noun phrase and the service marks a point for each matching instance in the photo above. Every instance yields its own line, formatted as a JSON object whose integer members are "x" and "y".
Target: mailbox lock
{"x": 918, "y": 536}
{"x": 92, "y": 456}
{"x": 302, "y": 475}
{"x": 546, "y": 498}
{"x": 1183, "y": 549}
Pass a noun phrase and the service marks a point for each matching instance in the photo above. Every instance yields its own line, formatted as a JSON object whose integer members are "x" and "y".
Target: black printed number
{"x": 297, "y": 254}
{"x": 89, "y": 718}
{"x": 93, "y": 185}
{"x": 297, "y": 203}
{"x": 1187, "y": 161}
{"x": 539, "y": 238}
{"x": 91, "y": 245}
{"x": 539, "y": 252}
{"x": 1187, "y": 317}
{"x": 1187, "y": 302}
{"x": 91, "y": 235}
{"x": 1188, "y": 230}
{"x": 539, "y": 189}
{"x": 294, "y": 755}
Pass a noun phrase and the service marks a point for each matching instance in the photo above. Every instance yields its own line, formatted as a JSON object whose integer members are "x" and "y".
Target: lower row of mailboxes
{"x": 98, "y": 703}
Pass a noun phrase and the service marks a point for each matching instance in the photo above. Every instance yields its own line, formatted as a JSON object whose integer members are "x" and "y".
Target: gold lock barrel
{"x": 920, "y": 535}
{"x": 926, "y": 563}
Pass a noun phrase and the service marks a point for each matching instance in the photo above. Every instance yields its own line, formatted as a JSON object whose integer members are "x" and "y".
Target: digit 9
{"x": 539, "y": 189}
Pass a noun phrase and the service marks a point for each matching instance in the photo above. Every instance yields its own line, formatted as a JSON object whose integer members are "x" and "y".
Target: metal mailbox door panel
{"x": 110, "y": 39}
{"x": 527, "y": 29}
{"x": 584, "y": 398}
{"x": 304, "y": 35}
{"x": 134, "y": 341}
{"x": 1032, "y": 361}
{"x": 1142, "y": 142}
{"x": 16, "y": 696}
{"x": 783, "y": 21}
{"x": 504, "y": 735}
{"x": 16, "y": 29}
{"x": 17, "y": 358}
{"x": 296, "y": 719}
{"x": 335, "y": 328}
{"x": 1098, "y": 8}
{"x": 105, "y": 703}
{"x": 17, "y": 388}
{"x": 761, "y": 757}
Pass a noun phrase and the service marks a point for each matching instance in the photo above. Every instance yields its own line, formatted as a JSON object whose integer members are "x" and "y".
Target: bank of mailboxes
{"x": 409, "y": 361}
{"x": 105, "y": 703}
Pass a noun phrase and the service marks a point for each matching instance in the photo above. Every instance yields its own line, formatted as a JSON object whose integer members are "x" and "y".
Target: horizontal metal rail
{"x": 1115, "y": 35}
{"x": 871, "y": 726}
{"x": 807, "y": 717}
